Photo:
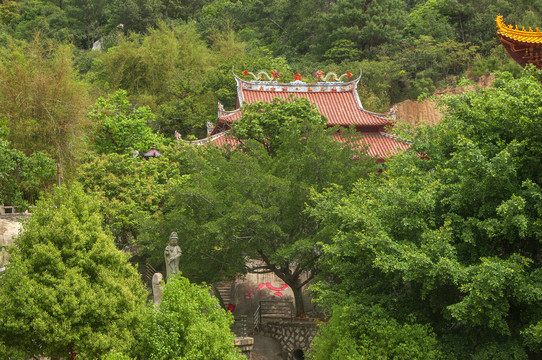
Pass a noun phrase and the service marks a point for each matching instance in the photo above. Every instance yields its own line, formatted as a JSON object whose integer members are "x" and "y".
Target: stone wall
{"x": 10, "y": 226}
{"x": 294, "y": 337}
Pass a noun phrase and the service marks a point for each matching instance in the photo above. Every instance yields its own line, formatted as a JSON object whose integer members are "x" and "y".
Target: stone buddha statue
{"x": 172, "y": 253}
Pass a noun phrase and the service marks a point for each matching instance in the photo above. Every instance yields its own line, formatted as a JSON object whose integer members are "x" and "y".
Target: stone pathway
{"x": 266, "y": 348}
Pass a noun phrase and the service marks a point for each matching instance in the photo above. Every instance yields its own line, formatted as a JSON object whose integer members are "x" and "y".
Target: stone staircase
{"x": 223, "y": 292}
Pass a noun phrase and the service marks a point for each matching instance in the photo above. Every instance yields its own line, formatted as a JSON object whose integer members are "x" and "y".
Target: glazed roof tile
{"x": 524, "y": 36}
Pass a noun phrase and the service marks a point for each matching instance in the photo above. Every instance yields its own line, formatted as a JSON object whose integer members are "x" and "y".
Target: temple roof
{"x": 524, "y": 46}
{"x": 513, "y": 33}
{"x": 337, "y": 100}
{"x": 379, "y": 144}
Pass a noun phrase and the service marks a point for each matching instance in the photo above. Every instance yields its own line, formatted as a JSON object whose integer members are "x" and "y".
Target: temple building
{"x": 336, "y": 99}
{"x": 524, "y": 46}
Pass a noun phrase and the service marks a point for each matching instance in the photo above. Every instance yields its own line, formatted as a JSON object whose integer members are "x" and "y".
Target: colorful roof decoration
{"x": 524, "y": 46}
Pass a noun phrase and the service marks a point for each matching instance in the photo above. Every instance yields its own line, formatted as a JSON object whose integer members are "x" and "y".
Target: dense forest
{"x": 176, "y": 56}
{"x": 173, "y": 60}
{"x": 436, "y": 257}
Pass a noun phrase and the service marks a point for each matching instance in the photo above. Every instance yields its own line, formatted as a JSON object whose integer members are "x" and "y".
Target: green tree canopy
{"x": 67, "y": 289}
{"x": 131, "y": 189}
{"x": 22, "y": 177}
{"x": 122, "y": 128}
{"x": 264, "y": 121}
{"x": 188, "y": 324}
{"x": 451, "y": 240}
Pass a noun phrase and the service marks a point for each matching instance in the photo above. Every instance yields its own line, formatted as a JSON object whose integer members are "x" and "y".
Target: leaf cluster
{"x": 188, "y": 324}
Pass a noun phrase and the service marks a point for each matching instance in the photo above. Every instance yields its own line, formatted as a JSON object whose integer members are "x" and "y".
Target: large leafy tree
{"x": 449, "y": 241}
{"x": 250, "y": 203}
{"x": 264, "y": 122}
{"x": 67, "y": 289}
{"x": 131, "y": 189}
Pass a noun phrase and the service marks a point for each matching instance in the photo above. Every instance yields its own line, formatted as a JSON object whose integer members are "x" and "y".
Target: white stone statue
{"x": 172, "y": 253}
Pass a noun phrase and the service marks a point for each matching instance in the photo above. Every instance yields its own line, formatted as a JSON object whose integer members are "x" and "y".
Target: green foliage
{"x": 430, "y": 19}
{"x": 131, "y": 189}
{"x": 9, "y": 10}
{"x": 166, "y": 70}
{"x": 121, "y": 128}
{"x": 67, "y": 289}
{"x": 133, "y": 15}
{"x": 22, "y": 177}
{"x": 43, "y": 100}
{"x": 188, "y": 324}
{"x": 44, "y": 18}
{"x": 367, "y": 24}
{"x": 263, "y": 121}
{"x": 356, "y": 332}
{"x": 428, "y": 61}
{"x": 342, "y": 50}
{"x": 115, "y": 355}
{"x": 450, "y": 240}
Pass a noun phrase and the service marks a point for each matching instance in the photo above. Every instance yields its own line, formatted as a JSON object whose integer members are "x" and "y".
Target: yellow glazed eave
{"x": 526, "y": 36}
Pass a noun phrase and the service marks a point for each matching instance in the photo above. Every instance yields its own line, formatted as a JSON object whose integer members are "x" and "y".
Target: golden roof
{"x": 513, "y": 33}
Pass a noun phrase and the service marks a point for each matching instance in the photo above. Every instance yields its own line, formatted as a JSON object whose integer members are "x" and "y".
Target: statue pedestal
{"x": 245, "y": 344}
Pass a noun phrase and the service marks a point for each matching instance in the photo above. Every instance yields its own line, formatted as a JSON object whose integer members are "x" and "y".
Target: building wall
{"x": 250, "y": 289}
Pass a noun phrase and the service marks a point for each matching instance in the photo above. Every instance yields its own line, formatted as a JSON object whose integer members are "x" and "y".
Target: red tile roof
{"x": 379, "y": 144}
{"x": 338, "y": 101}
{"x": 339, "y": 107}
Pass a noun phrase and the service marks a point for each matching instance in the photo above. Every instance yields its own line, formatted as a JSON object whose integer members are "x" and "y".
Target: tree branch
{"x": 276, "y": 23}
{"x": 311, "y": 276}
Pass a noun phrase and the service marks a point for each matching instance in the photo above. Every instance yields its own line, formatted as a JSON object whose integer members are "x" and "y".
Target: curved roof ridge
{"x": 225, "y": 113}
{"x": 207, "y": 139}
{"x": 380, "y": 115}
{"x": 396, "y": 138}
{"x": 528, "y": 36}
{"x": 510, "y": 31}
{"x": 296, "y": 82}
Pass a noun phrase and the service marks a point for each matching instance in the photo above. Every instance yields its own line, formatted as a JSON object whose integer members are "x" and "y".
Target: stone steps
{"x": 224, "y": 291}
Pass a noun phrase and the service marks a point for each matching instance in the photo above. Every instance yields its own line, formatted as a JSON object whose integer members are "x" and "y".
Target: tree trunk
{"x": 299, "y": 304}
{"x": 291, "y": 278}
